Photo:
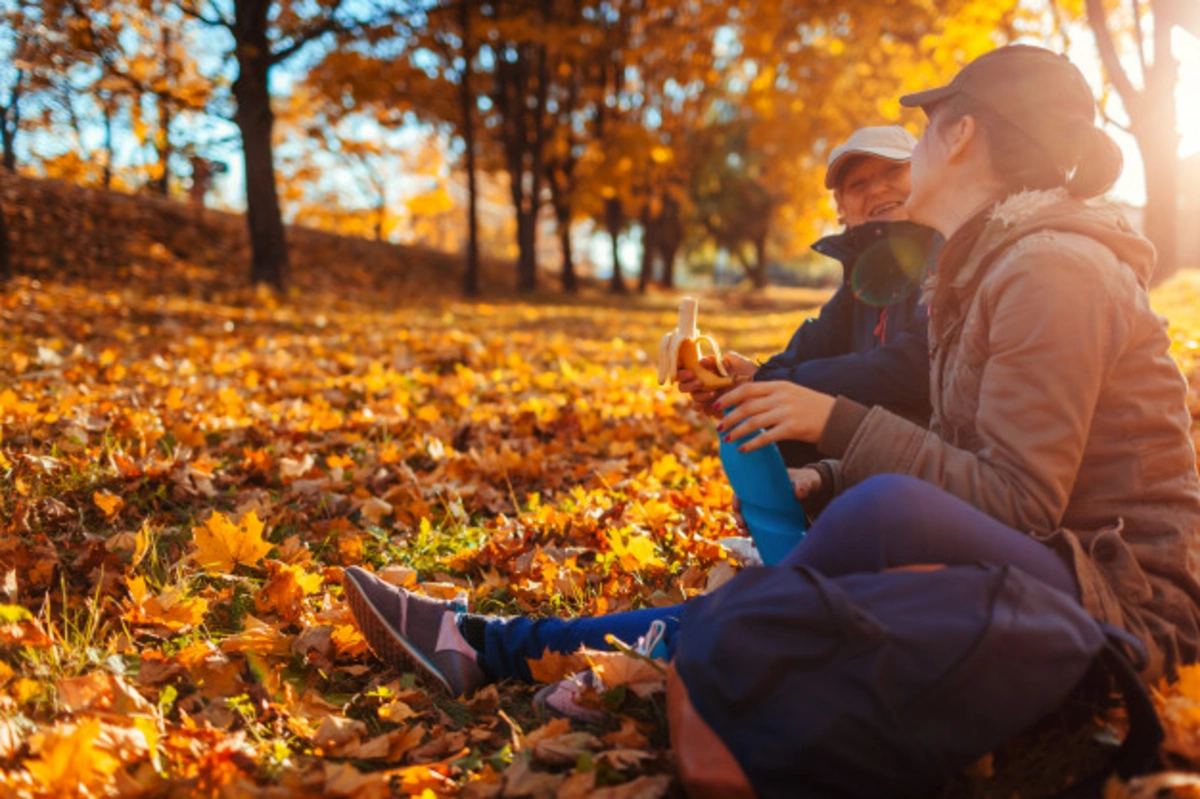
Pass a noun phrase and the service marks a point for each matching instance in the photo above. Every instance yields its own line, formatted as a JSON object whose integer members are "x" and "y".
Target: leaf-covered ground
{"x": 183, "y": 478}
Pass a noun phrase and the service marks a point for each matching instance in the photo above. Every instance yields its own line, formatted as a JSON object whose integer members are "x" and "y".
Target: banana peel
{"x": 681, "y": 349}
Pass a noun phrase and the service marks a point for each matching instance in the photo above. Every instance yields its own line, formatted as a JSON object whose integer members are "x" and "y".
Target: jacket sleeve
{"x": 1054, "y": 327}
{"x": 826, "y": 335}
{"x": 895, "y": 374}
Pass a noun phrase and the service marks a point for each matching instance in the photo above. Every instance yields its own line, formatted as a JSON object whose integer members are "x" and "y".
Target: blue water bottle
{"x": 760, "y": 480}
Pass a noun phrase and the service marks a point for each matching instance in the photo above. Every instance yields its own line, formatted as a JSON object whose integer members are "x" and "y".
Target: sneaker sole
{"x": 392, "y": 648}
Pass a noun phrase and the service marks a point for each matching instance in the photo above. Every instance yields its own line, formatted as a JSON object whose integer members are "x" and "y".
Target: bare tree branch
{"x": 330, "y": 24}
{"x": 1098, "y": 21}
{"x": 218, "y": 21}
{"x": 1108, "y": 120}
{"x": 1136, "y": 8}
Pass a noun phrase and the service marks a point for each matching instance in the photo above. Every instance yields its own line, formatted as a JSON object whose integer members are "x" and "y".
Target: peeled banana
{"x": 681, "y": 349}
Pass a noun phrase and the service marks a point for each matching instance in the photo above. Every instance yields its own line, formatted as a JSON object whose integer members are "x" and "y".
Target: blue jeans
{"x": 883, "y": 522}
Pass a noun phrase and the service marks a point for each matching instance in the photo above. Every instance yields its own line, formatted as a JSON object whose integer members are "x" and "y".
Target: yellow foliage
{"x": 222, "y": 545}
{"x": 70, "y": 764}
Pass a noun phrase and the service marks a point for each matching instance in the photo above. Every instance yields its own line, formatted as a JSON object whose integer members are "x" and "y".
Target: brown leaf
{"x": 615, "y": 669}
{"x": 522, "y": 782}
{"x": 338, "y": 731}
{"x": 628, "y": 737}
{"x": 654, "y": 787}
{"x": 564, "y": 749}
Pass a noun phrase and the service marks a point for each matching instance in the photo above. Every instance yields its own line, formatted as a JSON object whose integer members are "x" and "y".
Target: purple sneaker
{"x": 566, "y": 697}
{"x": 410, "y": 629}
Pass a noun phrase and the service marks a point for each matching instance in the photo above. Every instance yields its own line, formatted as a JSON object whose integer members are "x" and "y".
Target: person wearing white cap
{"x": 869, "y": 342}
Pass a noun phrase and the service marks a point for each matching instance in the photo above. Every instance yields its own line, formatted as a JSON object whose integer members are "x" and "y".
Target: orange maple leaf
{"x": 111, "y": 504}
{"x": 285, "y": 589}
{"x": 69, "y": 761}
{"x": 222, "y": 545}
{"x": 554, "y": 666}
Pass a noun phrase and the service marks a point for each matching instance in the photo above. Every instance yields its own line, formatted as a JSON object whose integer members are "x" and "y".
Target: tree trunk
{"x": 670, "y": 237}
{"x": 570, "y": 281}
{"x": 561, "y": 202}
{"x": 467, "y": 106}
{"x": 108, "y": 143}
{"x": 163, "y": 184}
{"x": 1157, "y": 147}
{"x": 10, "y": 123}
{"x": 255, "y": 121}
{"x": 526, "y": 242}
{"x": 5, "y": 256}
{"x": 1152, "y": 115}
{"x": 1154, "y": 126}
{"x": 614, "y": 220}
{"x": 649, "y": 248}
{"x": 668, "y": 253}
{"x": 512, "y": 91}
{"x": 8, "y": 141}
{"x": 759, "y": 273}
{"x": 536, "y": 159}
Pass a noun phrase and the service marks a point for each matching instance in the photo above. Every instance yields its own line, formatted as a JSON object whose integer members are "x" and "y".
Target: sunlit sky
{"x": 1131, "y": 187}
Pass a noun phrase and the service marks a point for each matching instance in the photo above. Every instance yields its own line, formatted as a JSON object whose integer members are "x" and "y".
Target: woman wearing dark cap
{"x": 1059, "y": 441}
{"x": 1057, "y": 410}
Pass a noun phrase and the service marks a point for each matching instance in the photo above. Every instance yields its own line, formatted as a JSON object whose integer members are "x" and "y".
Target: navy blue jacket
{"x": 870, "y": 341}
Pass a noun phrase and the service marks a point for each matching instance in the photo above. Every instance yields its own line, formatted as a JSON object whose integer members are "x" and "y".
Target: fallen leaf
{"x": 222, "y": 545}
{"x": 109, "y": 503}
{"x": 615, "y": 669}
{"x": 67, "y": 760}
{"x": 555, "y": 666}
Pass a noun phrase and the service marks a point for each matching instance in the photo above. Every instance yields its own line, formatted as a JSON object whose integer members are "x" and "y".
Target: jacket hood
{"x": 1028, "y": 212}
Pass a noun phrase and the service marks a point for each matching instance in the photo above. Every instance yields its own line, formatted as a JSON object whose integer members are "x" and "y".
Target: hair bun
{"x": 1100, "y": 164}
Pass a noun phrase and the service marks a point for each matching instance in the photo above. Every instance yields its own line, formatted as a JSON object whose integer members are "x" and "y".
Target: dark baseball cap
{"x": 1037, "y": 91}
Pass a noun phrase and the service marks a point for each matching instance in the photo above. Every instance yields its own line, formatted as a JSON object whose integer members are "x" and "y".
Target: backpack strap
{"x": 1138, "y": 753}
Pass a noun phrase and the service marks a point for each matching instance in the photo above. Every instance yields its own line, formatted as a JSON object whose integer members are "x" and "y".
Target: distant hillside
{"x": 59, "y": 230}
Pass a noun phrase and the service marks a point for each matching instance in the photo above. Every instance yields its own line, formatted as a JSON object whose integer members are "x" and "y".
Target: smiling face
{"x": 873, "y": 190}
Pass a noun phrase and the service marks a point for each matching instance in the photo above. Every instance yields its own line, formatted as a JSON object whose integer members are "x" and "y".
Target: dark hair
{"x": 1088, "y": 161}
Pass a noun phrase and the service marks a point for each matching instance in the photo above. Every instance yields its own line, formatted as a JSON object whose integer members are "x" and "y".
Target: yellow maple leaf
{"x": 141, "y": 543}
{"x": 221, "y": 545}
{"x": 70, "y": 761}
{"x": 633, "y": 551}
{"x": 172, "y": 609}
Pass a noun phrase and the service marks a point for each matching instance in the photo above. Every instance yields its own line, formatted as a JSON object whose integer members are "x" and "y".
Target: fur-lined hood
{"x": 1028, "y": 212}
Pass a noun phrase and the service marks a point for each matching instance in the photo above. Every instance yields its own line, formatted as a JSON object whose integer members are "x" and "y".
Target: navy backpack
{"x": 887, "y": 685}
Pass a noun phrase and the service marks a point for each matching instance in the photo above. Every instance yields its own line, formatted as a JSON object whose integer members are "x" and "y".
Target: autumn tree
{"x": 14, "y": 79}
{"x": 1151, "y": 109}
{"x": 136, "y": 57}
{"x": 519, "y": 91}
{"x": 261, "y": 35}
{"x": 734, "y": 203}
{"x": 468, "y": 102}
{"x": 798, "y": 77}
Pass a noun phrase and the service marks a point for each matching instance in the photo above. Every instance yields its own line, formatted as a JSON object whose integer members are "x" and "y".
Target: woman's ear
{"x": 962, "y": 138}
{"x": 837, "y": 205}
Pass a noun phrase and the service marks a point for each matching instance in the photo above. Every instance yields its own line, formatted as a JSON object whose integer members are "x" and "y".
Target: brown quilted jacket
{"x": 1058, "y": 411}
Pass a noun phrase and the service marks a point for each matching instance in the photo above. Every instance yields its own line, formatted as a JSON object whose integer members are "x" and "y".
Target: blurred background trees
{"x": 623, "y": 139}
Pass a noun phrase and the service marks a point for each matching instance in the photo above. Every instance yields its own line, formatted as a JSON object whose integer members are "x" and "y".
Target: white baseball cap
{"x": 890, "y": 142}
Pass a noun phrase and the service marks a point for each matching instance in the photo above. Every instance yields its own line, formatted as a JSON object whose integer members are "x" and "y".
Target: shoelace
{"x": 654, "y": 643}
